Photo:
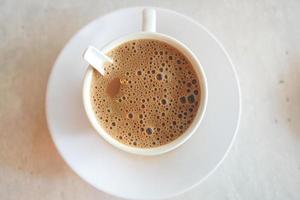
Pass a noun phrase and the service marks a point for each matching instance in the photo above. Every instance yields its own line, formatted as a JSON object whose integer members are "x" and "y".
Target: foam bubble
{"x": 130, "y": 115}
{"x": 159, "y": 77}
{"x": 149, "y": 131}
{"x": 191, "y": 98}
{"x": 164, "y": 101}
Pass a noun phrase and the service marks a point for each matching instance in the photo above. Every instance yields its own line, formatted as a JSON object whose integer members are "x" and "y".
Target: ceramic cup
{"x": 148, "y": 32}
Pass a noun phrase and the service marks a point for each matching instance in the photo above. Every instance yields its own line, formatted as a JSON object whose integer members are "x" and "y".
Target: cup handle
{"x": 149, "y": 20}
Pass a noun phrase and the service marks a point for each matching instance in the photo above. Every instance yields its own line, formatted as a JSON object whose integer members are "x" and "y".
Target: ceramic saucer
{"x": 127, "y": 175}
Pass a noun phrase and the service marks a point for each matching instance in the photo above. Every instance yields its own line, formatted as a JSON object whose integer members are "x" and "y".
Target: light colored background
{"x": 263, "y": 39}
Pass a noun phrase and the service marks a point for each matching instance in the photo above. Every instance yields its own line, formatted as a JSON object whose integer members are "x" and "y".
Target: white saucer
{"x": 123, "y": 174}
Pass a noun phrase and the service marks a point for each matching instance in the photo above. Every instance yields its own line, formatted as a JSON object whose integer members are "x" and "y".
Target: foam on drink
{"x": 149, "y": 95}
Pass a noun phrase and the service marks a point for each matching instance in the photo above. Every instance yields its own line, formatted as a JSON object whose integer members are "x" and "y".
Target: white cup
{"x": 148, "y": 32}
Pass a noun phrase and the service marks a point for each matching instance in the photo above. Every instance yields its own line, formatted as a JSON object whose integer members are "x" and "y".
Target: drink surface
{"x": 149, "y": 95}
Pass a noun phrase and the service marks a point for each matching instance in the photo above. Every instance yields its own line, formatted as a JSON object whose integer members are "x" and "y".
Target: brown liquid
{"x": 149, "y": 95}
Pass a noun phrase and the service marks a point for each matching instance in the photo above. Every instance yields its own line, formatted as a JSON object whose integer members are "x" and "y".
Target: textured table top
{"x": 263, "y": 40}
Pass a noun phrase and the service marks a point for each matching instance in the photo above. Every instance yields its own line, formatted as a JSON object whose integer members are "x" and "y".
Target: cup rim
{"x": 197, "y": 119}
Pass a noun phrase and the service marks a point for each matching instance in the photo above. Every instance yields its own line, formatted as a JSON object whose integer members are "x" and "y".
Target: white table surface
{"x": 263, "y": 39}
